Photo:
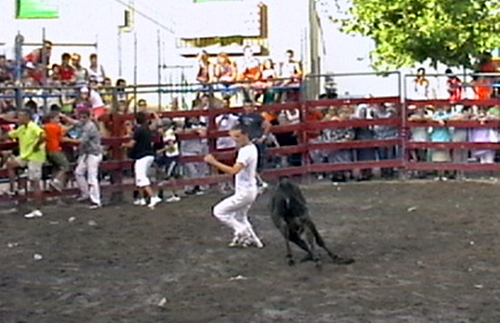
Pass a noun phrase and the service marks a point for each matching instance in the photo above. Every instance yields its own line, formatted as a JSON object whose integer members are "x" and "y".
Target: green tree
{"x": 406, "y": 32}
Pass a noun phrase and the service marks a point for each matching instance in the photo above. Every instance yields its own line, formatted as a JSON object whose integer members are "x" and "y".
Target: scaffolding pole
{"x": 62, "y": 44}
{"x": 135, "y": 72}
{"x": 158, "y": 40}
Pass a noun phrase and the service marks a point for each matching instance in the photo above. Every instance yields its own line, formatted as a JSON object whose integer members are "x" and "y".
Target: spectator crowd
{"x": 80, "y": 101}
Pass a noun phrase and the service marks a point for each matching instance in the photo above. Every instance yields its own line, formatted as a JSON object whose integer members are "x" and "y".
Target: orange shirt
{"x": 53, "y": 134}
{"x": 314, "y": 115}
{"x": 482, "y": 89}
{"x": 269, "y": 116}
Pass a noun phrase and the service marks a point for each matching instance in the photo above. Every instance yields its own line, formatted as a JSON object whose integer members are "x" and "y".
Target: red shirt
{"x": 66, "y": 73}
{"x": 455, "y": 89}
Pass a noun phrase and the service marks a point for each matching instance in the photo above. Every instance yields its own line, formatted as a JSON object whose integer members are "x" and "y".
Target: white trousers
{"x": 233, "y": 211}
{"x": 86, "y": 174}
{"x": 141, "y": 167}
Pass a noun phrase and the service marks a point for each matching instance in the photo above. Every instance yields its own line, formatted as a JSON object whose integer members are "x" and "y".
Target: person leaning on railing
{"x": 314, "y": 136}
{"x": 386, "y": 132}
{"x": 440, "y": 133}
{"x": 194, "y": 147}
{"x": 249, "y": 73}
{"x": 419, "y": 134}
{"x": 289, "y": 117}
{"x": 364, "y": 112}
{"x": 460, "y": 134}
{"x": 291, "y": 71}
{"x": 266, "y": 83}
{"x": 225, "y": 74}
{"x": 339, "y": 134}
{"x": 484, "y": 134}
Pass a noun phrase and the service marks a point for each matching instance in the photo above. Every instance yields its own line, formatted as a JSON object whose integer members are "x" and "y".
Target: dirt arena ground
{"x": 425, "y": 253}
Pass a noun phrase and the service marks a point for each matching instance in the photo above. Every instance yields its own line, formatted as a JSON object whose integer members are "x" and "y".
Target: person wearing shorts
{"x": 259, "y": 129}
{"x": 54, "y": 133}
{"x": 31, "y": 140}
{"x": 233, "y": 211}
{"x": 168, "y": 158}
{"x": 143, "y": 154}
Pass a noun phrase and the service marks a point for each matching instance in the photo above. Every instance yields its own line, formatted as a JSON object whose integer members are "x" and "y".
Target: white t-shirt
{"x": 170, "y": 140}
{"x": 245, "y": 179}
{"x": 95, "y": 99}
{"x": 226, "y": 122}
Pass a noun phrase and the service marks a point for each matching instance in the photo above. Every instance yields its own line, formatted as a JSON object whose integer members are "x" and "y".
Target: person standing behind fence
{"x": 226, "y": 122}
{"x": 460, "y": 155}
{"x": 143, "y": 154}
{"x": 81, "y": 73}
{"x": 258, "y": 130}
{"x": 233, "y": 211}
{"x": 454, "y": 86}
{"x": 419, "y": 134}
{"x": 339, "y": 134}
{"x": 386, "y": 132}
{"x": 484, "y": 134}
{"x": 168, "y": 156}
{"x": 194, "y": 147}
{"x": 440, "y": 133}
{"x": 364, "y": 112}
{"x": 31, "y": 140}
{"x": 89, "y": 158}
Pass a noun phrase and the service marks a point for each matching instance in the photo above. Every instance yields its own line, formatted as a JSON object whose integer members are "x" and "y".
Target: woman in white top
{"x": 96, "y": 71}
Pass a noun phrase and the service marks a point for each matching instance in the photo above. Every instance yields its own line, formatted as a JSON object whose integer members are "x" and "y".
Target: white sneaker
{"x": 34, "y": 214}
{"x": 252, "y": 241}
{"x": 95, "y": 206}
{"x": 140, "y": 202}
{"x": 262, "y": 187}
{"x": 154, "y": 200}
{"x": 236, "y": 242}
{"x": 173, "y": 198}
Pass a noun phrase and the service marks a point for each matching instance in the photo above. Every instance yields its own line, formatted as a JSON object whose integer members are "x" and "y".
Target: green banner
{"x": 37, "y": 9}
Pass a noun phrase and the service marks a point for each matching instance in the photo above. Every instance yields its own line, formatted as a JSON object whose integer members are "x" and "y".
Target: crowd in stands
{"x": 79, "y": 116}
{"x": 264, "y": 82}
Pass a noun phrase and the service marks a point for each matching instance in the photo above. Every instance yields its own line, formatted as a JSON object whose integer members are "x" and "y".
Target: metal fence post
{"x": 18, "y": 48}
{"x": 304, "y": 110}
{"x": 404, "y": 126}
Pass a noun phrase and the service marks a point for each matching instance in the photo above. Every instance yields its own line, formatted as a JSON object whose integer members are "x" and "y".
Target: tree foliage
{"x": 406, "y": 32}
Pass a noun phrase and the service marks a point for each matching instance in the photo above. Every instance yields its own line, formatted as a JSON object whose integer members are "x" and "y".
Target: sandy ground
{"x": 425, "y": 252}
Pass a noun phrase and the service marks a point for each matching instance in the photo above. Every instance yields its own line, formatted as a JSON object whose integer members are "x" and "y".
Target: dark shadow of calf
{"x": 290, "y": 215}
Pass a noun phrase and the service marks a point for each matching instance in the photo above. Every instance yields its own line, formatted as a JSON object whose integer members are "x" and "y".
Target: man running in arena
{"x": 233, "y": 211}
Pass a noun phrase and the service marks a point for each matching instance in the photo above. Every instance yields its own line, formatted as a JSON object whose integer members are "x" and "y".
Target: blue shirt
{"x": 440, "y": 134}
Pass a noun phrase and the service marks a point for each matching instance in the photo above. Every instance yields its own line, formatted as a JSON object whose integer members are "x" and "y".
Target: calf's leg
{"x": 335, "y": 258}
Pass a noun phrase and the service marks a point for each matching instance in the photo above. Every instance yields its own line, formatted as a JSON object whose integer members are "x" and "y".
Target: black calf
{"x": 290, "y": 215}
